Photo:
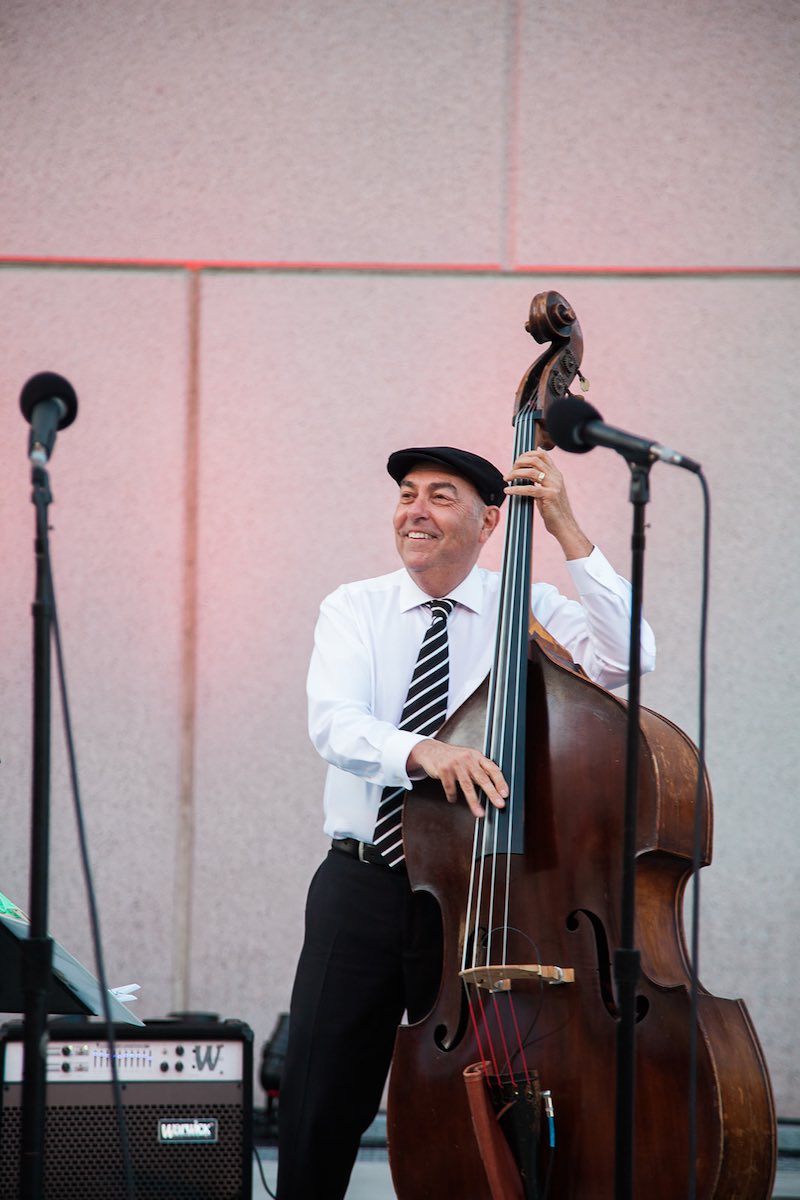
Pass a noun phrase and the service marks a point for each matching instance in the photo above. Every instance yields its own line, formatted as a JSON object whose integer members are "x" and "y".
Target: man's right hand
{"x": 460, "y": 767}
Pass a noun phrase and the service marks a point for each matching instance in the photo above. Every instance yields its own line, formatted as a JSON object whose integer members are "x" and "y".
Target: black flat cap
{"x": 484, "y": 477}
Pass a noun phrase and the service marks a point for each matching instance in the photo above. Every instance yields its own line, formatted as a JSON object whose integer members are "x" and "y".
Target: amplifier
{"x": 187, "y": 1097}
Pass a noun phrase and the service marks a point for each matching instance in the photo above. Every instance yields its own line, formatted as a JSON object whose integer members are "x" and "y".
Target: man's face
{"x": 440, "y": 525}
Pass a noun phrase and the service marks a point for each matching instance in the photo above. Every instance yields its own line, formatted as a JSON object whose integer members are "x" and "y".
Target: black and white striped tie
{"x": 423, "y": 712}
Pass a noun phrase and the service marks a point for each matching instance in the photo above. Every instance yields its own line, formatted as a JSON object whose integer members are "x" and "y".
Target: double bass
{"x": 506, "y": 1089}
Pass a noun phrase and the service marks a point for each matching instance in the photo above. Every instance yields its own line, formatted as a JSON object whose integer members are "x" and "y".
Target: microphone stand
{"x": 37, "y": 951}
{"x": 627, "y": 957}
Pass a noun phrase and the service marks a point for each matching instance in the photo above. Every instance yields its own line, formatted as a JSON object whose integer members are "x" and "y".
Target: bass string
{"x": 504, "y": 744}
{"x": 486, "y": 830}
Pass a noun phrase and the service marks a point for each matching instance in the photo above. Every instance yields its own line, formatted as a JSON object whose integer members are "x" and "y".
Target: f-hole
{"x": 440, "y": 1034}
{"x": 604, "y": 964}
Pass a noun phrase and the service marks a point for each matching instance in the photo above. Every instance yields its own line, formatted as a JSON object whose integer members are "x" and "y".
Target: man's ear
{"x": 491, "y": 519}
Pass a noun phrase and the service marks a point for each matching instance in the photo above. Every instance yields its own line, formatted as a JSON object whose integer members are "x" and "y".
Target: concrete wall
{"x": 269, "y": 243}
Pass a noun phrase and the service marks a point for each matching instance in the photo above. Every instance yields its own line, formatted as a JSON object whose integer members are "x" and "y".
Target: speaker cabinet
{"x": 187, "y": 1100}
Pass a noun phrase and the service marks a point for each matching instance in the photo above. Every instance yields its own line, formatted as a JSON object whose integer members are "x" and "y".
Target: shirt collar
{"x": 469, "y": 592}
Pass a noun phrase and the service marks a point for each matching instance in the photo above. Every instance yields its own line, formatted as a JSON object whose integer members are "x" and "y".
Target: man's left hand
{"x": 540, "y": 478}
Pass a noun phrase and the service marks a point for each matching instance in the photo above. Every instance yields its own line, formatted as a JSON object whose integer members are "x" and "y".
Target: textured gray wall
{"x": 269, "y": 243}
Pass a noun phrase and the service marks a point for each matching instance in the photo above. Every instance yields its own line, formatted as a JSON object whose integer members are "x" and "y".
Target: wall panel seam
{"x": 185, "y": 839}
{"x": 330, "y": 267}
{"x": 512, "y": 132}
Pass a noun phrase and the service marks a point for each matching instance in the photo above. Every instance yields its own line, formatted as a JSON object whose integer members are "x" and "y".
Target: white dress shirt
{"x": 365, "y": 646}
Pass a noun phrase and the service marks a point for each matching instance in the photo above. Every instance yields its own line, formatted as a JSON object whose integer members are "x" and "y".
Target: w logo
{"x": 207, "y": 1057}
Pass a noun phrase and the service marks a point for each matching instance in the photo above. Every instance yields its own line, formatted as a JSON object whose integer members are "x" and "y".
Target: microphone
{"x": 577, "y": 427}
{"x": 48, "y": 403}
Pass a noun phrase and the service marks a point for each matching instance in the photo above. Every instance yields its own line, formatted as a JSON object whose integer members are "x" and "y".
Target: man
{"x": 372, "y": 947}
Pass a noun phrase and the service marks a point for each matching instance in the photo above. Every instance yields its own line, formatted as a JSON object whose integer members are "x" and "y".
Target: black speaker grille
{"x": 83, "y": 1161}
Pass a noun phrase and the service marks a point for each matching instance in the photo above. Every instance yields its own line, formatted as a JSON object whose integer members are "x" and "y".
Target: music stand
{"x": 73, "y": 990}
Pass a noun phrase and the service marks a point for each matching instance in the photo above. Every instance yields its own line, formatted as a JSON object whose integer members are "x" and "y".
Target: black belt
{"x": 365, "y": 852}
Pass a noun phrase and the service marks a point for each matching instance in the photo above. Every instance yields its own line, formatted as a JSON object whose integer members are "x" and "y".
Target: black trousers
{"x": 372, "y": 950}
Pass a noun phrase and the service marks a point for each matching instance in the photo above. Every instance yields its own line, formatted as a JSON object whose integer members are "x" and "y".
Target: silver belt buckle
{"x": 361, "y": 852}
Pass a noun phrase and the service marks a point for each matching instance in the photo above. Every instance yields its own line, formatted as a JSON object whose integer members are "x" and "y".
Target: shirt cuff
{"x": 593, "y": 574}
{"x": 394, "y": 754}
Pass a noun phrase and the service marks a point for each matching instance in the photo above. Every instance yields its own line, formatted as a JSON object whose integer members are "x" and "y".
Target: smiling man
{"x": 391, "y": 654}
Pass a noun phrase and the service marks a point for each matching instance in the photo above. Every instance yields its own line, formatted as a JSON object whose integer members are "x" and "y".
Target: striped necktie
{"x": 423, "y": 712}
